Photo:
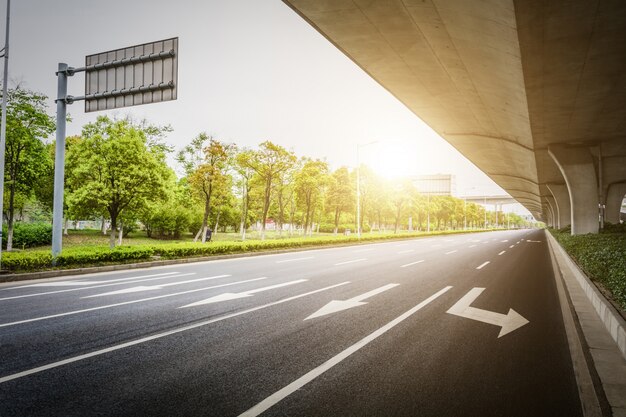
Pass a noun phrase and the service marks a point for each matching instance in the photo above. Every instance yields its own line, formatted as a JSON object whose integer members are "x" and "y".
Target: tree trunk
{"x": 103, "y": 228}
{"x": 205, "y": 217}
{"x": 217, "y": 222}
{"x": 121, "y": 233}
{"x": 11, "y": 213}
{"x": 266, "y": 205}
{"x": 337, "y": 213}
{"x": 67, "y": 225}
{"x": 112, "y": 233}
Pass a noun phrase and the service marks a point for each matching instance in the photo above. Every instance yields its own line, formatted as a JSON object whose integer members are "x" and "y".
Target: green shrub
{"x": 28, "y": 235}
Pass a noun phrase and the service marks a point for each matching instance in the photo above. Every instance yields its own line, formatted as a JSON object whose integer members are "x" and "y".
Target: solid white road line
{"x": 108, "y": 281}
{"x": 351, "y": 262}
{"x": 336, "y": 306}
{"x": 311, "y": 375}
{"x": 406, "y": 251}
{"x": 483, "y": 265}
{"x": 155, "y": 287}
{"x": 97, "y": 286}
{"x": 227, "y": 296}
{"x": 85, "y": 310}
{"x": 412, "y": 263}
{"x": 452, "y": 251}
{"x": 294, "y": 260}
{"x": 501, "y": 252}
{"x": 158, "y": 335}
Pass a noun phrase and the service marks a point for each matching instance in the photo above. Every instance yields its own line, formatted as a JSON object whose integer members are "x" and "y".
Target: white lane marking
{"x": 339, "y": 305}
{"x": 533, "y": 241}
{"x": 350, "y": 262}
{"x": 483, "y": 265}
{"x": 412, "y": 263}
{"x": 448, "y": 240}
{"x": 95, "y": 286}
{"x": 399, "y": 245}
{"x": 68, "y": 283}
{"x": 154, "y": 287}
{"x": 311, "y": 375}
{"x": 436, "y": 246}
{"x": 159, "y": 335}
{"x": 505, "y": 240}
{"x": 511, "y": 246}
{"x": 227, "y": 296}
{"x": 485, "y": 242}
{"x": 363, "y": 250}
{"x": 406, "y": 251}
{"x": 508, "y": 322}
{"x": 471, "y": 246}
{"x": 452, "y": 251}
{"x": 294, "y": 260}
{"x": 85, "y": 310}
{"x": 501, "y": 252}
{"x": 517, "y": 242}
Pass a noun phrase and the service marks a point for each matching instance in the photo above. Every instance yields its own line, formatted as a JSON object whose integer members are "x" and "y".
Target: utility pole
{"x": 3, "y": 122}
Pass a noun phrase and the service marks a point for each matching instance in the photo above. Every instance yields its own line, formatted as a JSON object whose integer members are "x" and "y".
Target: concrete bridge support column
{"x": 555, "y": 211}
{"x": 614, "y": 199}
{"x": 549, "y": 216}
{"x": 576, "y": 165}
{"x": 561, "y": 199}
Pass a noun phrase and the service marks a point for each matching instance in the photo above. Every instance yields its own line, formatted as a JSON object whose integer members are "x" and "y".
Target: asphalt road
{"x": 414, "y": 328}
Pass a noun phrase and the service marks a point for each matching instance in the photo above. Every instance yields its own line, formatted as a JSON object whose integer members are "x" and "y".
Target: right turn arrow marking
{"x": 339, "y": 305}
{"x": 509, "y": 322}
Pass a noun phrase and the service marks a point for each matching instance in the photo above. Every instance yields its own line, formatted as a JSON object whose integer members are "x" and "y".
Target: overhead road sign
{"x": 140, "y": 74}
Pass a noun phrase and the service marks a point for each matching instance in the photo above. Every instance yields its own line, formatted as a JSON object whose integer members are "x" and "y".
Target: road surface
{"x": 459, "y": 325}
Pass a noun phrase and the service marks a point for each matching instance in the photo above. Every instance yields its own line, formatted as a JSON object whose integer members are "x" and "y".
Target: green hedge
{"x": 602, "y": 257}
{"x": 93, "y": 256}
{"x": 28, "y": 235}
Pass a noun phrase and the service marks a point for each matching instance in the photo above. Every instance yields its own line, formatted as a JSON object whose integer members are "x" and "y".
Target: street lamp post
{"x": 3, "y": 123}
{"x": 358, "y": 187}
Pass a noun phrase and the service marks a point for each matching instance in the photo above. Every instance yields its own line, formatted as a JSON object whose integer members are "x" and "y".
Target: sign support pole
{"x": 59, "y": 161}
{"x": 3, "y": 122}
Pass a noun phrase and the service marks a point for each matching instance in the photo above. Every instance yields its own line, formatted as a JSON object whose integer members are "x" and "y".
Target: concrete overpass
{"x": 531, "y": 91}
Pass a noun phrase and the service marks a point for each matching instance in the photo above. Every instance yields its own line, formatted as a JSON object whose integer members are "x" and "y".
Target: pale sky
{"x": 249, "y": 71}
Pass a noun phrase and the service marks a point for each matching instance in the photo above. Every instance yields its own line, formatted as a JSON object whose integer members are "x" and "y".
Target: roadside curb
{"x": 610, "y": 317}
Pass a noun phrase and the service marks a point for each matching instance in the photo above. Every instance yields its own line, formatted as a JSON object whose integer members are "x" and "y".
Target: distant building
{"x": 439, "y": 184}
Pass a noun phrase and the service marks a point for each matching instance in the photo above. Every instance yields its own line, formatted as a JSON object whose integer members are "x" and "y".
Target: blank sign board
{"x": 140, "y": 74}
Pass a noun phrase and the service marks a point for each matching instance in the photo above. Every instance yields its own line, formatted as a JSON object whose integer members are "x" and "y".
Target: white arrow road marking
{"x": 351, "y": 262}
{"x": 335, "y": 360}
{"x": 294, "y": 260}
{"x": 99, "y": 286}
{"x": 509, "y": 322}
{"x": 158, "y": 336}
{"x": 412, "y": 263}
{"x": 233, "y": 296}
{"x": 155, "y": 287}
{"x": 157, "y": 297}
{"x": 338, "y": 305}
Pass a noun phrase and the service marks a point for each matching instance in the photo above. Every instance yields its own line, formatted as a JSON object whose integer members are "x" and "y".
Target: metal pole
{"x": 464, "y": 213}
{"x": 3, "y": 122}
{"x": 358, "y": 195}
{"x": 428, "y": 215}
{"x": 59, "y": 162}
{"x": 485, "y": 197}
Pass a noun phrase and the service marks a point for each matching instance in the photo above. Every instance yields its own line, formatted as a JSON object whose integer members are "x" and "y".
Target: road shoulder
{"x": 594, "y": 339}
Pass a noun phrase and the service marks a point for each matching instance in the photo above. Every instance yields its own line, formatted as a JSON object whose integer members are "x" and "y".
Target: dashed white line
{"x": 294, "y": 260}
{"x": 412, "y": 263}
{"x": 511, "y": 246}
{"x": 505, "y": 240}
{"x": 363, "y": 250}
{"x": 435, "y": 246}
{"x": 406, "y": 251}
{"x": 501, "y": 252}
{"x": 351, "y": 262}
{"x": 471, "y": 246}
{"x": 452, "y": 251}
{"x": 483, "y": 265}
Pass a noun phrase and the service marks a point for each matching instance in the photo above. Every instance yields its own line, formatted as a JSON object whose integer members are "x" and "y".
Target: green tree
{"x": 310, "y": 182}
{"x": 27, "y": 161}
{"x": 341, "y": 194}
{"x": 117, "y": 168}
{"x": 206, "y": 161}
{"x": 268, "y": 162}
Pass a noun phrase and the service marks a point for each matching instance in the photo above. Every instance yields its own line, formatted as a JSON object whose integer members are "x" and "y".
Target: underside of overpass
{"x": 531, "y": 91}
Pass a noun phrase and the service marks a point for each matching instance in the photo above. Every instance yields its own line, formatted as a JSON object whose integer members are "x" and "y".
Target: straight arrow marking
{"x": 508, "y": 322}
{"x": 154, "y": 287}
{"x": 337, "y": 305}
{"x": 233, "y": 296}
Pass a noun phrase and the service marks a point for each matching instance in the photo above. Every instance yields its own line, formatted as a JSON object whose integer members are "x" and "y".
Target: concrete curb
{"x": 610, "y": 317}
